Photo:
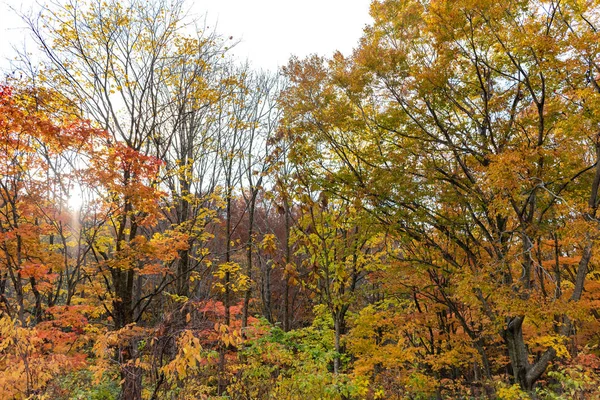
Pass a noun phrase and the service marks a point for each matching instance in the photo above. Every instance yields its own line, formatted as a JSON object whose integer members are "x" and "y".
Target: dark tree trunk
{"x": 183, "y": 270}
{"x": 249, "y": 248}
{"x": 131, "y": 388}
{"x": 524, "y": 373}
{"x": 288, "y": 252}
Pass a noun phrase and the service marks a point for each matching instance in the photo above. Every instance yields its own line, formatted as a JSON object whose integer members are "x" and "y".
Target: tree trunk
{"x": 131, "y": 375}
{"x": 131, "y": 387}
{"x": 249, "y": 245}
{"x": 227, "y": 297}
{"x": 286, "y": 292}
{"x": 524, "y": 373}
{"x": 338, "y": 333}
{"x": 266, "y": 295}
{"x": 183, "y": 273}
{"x": 37, "y": 311}
{"x": 517, "y": 351}
{"x": 183, "y": 270}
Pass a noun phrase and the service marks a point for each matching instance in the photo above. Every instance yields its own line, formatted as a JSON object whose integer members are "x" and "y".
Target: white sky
{"x": 270, "y": 30}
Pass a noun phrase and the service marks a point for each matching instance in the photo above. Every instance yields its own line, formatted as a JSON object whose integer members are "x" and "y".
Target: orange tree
{"x": 41, "y": 330}
{"x": 60, "y": 267}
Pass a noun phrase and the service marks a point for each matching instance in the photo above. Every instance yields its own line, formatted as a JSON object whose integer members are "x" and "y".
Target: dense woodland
{"x": 415, "y": 220}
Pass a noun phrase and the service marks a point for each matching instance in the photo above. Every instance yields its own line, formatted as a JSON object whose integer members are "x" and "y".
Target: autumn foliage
{"x": 415, "y": 220}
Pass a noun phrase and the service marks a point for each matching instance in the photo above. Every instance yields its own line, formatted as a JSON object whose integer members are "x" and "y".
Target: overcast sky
{"x": 269, "y": 30}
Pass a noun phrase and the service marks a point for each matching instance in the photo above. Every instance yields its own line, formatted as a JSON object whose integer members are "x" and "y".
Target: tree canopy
{"x": 415, "y": 220}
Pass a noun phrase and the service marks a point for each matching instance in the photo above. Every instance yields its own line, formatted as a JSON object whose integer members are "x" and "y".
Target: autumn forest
{"x": 415, "y": 220}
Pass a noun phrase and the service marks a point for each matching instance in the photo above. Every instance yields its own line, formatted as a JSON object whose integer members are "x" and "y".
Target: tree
{"x": 258, "y": 158}
{"x": 35, "y": 179}
{"x": 341, "y": 249}
{"x": 197, "y": 87}
{"x": 41, "y": 330}
{"x": 131, "y": 69}
{"x": 469, "y": 128}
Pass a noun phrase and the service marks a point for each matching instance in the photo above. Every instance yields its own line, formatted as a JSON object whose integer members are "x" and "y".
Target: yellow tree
{"x": 471, "y": 127}
{"x": 340, "y": 247}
